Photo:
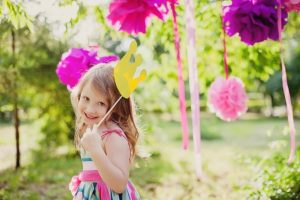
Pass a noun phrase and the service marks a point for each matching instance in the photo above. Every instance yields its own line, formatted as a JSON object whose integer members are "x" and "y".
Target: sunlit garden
{"x": 218, "y": 111}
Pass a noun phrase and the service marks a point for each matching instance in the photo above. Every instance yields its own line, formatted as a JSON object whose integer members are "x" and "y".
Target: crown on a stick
{"x": 125, "y": 69}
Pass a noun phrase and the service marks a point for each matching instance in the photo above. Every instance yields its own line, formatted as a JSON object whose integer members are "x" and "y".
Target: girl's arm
{"x": 114, "y": 165}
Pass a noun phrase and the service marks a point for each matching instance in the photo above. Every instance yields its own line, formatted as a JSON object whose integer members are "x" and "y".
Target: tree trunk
{"x": 272, "y": 104}
{"x": 16, "y": 121}
{"x": 15, "y": 100}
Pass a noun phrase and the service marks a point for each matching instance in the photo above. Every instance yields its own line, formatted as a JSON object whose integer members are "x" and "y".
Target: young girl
{"x": 108, "y": 150}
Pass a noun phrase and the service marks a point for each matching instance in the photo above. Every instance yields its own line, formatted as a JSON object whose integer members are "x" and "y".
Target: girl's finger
{"x": 94, "y": 127}
{"x": 88, "y": 130}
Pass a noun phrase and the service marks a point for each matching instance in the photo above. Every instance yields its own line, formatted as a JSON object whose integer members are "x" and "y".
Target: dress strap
{"x": 117, "y": 131}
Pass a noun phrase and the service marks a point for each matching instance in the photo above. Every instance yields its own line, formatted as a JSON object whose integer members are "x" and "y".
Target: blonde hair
{"x": 102, "y": 79}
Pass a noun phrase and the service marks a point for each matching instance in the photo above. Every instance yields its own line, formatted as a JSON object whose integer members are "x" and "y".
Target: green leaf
{"x": 17, "y": 16}
{"x": 81, "y": 14}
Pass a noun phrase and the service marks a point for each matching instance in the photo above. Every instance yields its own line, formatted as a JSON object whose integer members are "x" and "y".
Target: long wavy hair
{"x": 123, "y": 114}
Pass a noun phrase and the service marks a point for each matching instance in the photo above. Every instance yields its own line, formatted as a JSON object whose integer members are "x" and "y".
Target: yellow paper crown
{"x": 124, "y": 72}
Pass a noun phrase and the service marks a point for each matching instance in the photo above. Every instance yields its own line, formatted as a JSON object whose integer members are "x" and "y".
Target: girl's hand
{"x": 91, "y": 140}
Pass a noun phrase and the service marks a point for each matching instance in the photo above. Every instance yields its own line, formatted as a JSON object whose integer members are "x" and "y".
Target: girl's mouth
{"x": 90, "y": 117}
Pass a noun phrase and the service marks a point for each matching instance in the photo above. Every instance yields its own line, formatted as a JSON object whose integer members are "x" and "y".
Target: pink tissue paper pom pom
{"x": 71, "y": 66}
{"x": 292, "y": 5}
{"x": 227, "y": 98}
{"x": 131, "y": 15}
{"x": 76, "y": 62}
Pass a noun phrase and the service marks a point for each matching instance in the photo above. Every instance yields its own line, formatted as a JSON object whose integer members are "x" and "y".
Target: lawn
{"x": 228, "y": 153}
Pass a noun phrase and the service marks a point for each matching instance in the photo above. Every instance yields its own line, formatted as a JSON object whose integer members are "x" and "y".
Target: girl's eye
{"x": 85, "y": 98}
{"x": 101, "y": 103}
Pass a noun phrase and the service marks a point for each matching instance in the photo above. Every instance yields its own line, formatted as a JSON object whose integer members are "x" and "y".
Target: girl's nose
{"x": 90, "y": 110}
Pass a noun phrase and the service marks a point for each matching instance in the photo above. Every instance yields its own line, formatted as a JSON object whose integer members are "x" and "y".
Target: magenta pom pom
{"x": 131, "y": 15}
{"x": 76, "y": 62}
{"x": 227, "y": 98}
{"x": 292, "y": 5}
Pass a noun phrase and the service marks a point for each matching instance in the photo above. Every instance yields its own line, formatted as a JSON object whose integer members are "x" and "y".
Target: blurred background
{"x": 244, "y": 159}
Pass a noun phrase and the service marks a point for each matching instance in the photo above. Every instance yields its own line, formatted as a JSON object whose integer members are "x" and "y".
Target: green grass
{"x": 29, "y": 138}
{"x": 226, "y": 151}
{"x": 47, "y": 177}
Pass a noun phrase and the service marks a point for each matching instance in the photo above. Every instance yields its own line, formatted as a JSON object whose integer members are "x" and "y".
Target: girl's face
{"x": 92, "y": 105}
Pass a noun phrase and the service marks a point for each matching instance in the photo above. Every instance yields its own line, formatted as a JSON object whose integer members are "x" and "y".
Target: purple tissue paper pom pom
{"x": 254, "y": 20}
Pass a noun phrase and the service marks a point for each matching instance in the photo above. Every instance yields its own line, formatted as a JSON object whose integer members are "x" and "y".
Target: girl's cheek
{"x": 81, "y": 103}
{"x": 100, "y": 109}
